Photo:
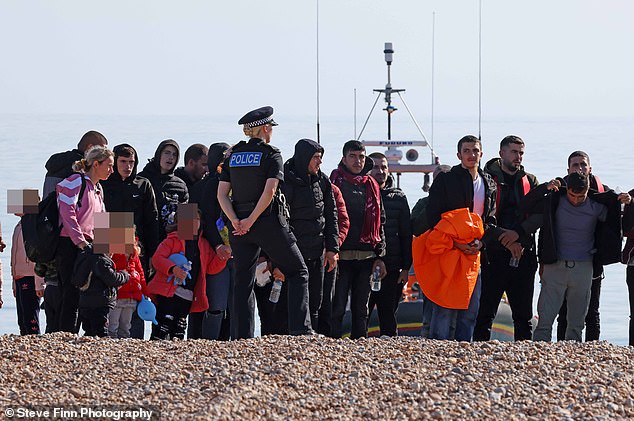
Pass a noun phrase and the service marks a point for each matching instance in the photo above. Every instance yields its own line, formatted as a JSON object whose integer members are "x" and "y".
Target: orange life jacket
{"x": 446, "y": 275}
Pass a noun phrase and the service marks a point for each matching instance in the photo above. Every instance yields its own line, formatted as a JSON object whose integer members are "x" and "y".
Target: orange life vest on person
{"x": 446, "y": 275}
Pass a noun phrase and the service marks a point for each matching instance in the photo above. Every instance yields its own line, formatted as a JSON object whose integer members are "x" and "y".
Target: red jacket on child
{"x": 210, "y": 264}
{"x": 136, "y": 286}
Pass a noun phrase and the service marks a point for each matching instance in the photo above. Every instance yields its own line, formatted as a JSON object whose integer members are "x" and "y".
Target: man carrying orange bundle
{"x": 461, "y": 209}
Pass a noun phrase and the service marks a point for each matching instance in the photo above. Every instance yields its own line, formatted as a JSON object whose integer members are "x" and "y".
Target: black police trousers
{"x": 269, "y": 235}
{"x": 593, "y": 321}
{"x": 519, "y": 284}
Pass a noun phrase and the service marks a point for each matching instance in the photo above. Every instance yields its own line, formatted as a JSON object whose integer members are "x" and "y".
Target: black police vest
{"x": 250, "y": 165}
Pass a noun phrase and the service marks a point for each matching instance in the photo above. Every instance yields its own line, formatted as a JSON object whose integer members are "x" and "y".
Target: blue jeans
{"x": 464, "y": 320}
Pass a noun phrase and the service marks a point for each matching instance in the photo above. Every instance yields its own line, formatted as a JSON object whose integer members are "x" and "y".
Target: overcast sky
{"x": 540, "y": 58}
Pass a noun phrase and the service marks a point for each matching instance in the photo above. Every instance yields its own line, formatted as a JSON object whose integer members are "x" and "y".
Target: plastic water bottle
{"x": 275, "y": 291}
{"x": 514, "y": 262}
{"x": 375, "y": 281}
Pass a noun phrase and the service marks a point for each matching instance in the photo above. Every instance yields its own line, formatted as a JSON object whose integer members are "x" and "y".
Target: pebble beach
{"x": 283, "y": 377}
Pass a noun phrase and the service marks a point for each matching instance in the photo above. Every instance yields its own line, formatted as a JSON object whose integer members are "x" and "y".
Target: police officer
{"x": 252, "y": 173}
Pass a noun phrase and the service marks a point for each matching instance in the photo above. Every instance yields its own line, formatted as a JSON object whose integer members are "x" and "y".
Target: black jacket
{"x": 169, "y": 190}
{"x": 134, "y": 194}
{"x": 58, "y": 167}
{"x": 454, "y": 190}
{"x": 398, "y": 231}
{"x": 184, "y": 175}
{"x": 313, "y": 213}
{"x": 354, "y": 196}
{"x": 608, "y": 239}
{"x": 205, "y": 193}
{"x": 494, "y": 169}
{"x": 103, "y": 280}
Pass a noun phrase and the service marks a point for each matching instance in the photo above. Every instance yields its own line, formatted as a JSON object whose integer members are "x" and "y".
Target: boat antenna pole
{"x": 355, "y": 113}
{"x": 433, "y": 43}
{"x": 318, "y": 136}
{"x": 480, "y": 72}
{"x": 368, "y": 118}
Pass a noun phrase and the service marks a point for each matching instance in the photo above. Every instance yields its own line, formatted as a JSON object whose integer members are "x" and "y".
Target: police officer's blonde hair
{"x": 92, "y": 155}
{"x": 252, "y": 131}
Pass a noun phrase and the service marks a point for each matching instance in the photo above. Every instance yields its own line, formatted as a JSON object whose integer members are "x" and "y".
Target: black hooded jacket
{"x": 134, "y": 194}
{"x": 168, "y": 188}
{"x": 311, "y": 203}
{"x": 398, "y": 230}
{"x": 184, "y": 175}
{"x": 205, "y": 193}
{"x": 58, "y": 167}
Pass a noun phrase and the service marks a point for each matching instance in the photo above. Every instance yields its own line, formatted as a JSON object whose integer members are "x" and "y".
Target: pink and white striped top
{"x": 78, "y": 223}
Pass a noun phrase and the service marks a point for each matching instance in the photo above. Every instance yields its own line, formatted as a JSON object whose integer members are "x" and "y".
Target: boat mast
{"x": 388, "y": 89}
{"x": 318, "y": 136}
{"x": 480, "y": 72}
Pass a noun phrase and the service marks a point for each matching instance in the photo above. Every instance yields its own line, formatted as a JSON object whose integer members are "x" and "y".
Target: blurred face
{"x": 576, "y": 199}
{"x": 380, "y": 171}
{"x": 470, "y": 154}
{"x": 103, "y": 169}
{"x": 354, "y": 161}
{"x": 512, "y": 155}
{"x": 314, "y": 164}
{"x": 169, "y": 157}
{"x": 199, "y": 168}
{"x": 125, "y": 166}
{"x": 579, "y": 164}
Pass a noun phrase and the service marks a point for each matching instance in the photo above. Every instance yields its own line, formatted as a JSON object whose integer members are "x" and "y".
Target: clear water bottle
{"x": 275, "y": 291}
{"x": 514, "y": 262}
{"x": 375, "y": 281}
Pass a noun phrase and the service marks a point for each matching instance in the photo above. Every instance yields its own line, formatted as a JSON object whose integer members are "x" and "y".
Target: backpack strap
{"x": 81, "y": 190}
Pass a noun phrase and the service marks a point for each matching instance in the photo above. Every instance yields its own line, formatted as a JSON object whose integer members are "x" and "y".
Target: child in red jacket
{"x": 174, "y": 293}
{"x": 128, "y": 295}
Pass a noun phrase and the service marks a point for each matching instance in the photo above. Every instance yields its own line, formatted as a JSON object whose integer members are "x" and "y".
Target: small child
{"x": 174, "y": 298}
{"x": 129, "y": 295}
{"x": 27, "y": 287}
{"x": 98, "y": 296}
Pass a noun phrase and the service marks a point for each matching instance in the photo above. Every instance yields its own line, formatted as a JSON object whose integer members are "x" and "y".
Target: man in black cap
{"x": 252, "y": 173}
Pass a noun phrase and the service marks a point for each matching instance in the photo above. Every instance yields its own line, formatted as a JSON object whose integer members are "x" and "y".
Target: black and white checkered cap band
{"x": 260, "y": 122}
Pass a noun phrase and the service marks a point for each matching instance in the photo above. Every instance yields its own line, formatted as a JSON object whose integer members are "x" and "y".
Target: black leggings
{"x": 171, "y": 315}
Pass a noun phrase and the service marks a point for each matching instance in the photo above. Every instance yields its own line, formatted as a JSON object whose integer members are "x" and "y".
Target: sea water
{"x": 27, "y": 141}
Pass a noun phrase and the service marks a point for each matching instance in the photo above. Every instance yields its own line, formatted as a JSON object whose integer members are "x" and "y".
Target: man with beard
{"x": 499, "y": 275}
{"x": 313, "y": 217}
{"x": 398, "y": 250}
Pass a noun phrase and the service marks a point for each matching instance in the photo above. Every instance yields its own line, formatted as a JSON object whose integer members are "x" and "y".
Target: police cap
{"x": 258, "y": 117}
